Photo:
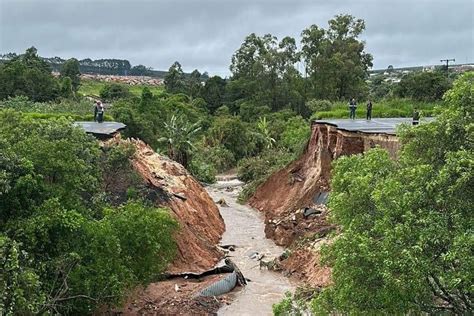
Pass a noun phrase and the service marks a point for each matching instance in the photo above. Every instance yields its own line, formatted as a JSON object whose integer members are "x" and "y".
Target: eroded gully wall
{"x": 201, "y": 225}
{"x": 295, "y": 186}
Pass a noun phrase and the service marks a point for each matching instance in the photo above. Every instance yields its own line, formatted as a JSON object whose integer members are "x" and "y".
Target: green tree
{"x": 193, "y": 84}
{"x": 71, "y": 70}
{"x": 114, "y": 91}
{"x": 179, "y": 136}
{"x": 174, "y": 80}
{"x": 213, "y": 93}
{"x": 66, "y": 89}
{"x": 28, "y": 75}
{"x": 423, "y": 86}
{"x": 234, "y": 135}
{"x": 406, "y": 226}
{"x": 139, "y": 70}
{"x": 263, "y": 72}
{"x": 335, "y": 58}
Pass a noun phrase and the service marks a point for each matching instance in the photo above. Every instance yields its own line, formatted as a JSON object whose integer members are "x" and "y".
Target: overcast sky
{"x": 204, "y": 34}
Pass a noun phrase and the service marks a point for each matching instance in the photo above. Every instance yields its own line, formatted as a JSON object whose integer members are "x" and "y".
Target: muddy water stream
{"x": 245, "y": 229}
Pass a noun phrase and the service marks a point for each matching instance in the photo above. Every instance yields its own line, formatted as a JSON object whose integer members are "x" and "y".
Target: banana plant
{"x": 262, "y": 126}
{"x": 179, "y": 134}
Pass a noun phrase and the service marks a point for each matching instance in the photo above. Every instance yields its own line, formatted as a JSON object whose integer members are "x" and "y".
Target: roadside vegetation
{"x": 409, "y": 222}
{"x": 66, "y": 245}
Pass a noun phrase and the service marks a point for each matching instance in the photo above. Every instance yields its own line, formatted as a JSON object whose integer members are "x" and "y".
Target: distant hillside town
{"x": 394, "y": 75}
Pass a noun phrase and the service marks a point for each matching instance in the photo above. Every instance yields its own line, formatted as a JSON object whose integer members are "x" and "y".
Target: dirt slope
{"x": 168, "y": 184}
{"x": 295, "y": 186}
{"x": 286, "y": 195}
{"x": 201, "y": 225}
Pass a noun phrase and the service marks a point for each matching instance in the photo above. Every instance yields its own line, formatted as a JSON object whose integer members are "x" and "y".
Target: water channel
{"x": 245, "y": 229}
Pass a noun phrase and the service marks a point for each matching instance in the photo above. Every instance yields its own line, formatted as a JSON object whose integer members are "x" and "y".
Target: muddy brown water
{"x": 245, "y": 229}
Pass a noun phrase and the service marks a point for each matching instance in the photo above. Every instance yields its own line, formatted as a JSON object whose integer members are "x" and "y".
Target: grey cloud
{"x": 204, "y": 34}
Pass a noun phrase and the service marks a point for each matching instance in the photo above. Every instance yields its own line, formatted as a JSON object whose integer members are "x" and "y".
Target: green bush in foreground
{"x": 62, "y": 252}
{"x": 407, "y": 226}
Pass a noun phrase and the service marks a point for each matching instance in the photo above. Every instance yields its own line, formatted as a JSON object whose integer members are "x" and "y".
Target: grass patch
{"x": 71, "y": 116}
{"x": 385, "y": 108}
{"x": 90, "y": 87}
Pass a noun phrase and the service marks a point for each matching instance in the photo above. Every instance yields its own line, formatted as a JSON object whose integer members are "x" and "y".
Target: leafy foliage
{"x": 114, "y": 91}
{"x": 175, "y": 80}
{"x": 63, "y": 251}
{"x": 335, "y": 58}
{"x": 70, "y": 69}
{"x": 178, "y": 136}
{"x": 408, "y": 222}
{"x": 28, "y": 75}
{"x": 423, "y": 86}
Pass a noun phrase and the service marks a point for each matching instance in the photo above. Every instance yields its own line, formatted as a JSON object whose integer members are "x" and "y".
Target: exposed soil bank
{"x": 295, "y": 186}
{"x": 288, "y": 192}
{"x": 245, "y": 230}
{"x": 166, "y": 183}
{"x": 201, "y": 225}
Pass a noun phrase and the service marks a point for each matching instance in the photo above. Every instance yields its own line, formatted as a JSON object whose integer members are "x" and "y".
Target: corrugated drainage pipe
{"x": 220, "y": 287}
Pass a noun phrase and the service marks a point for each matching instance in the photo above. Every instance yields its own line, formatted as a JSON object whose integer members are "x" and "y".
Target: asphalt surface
{"x": 104, "y": 128}
{"x": 375, "y": 126}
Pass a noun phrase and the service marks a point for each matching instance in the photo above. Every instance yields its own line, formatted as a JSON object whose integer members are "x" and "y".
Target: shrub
{"x": 255, "y": 170}
{"x": 234, "y": 135}
{"x": 295, "y": 134}
{"x": 202, "y": 170}
{"x": 250, "y": 111}
{"x": 319, "y": 105}
{"x": 423, "y": 86}
{"x": 114, "y": 91}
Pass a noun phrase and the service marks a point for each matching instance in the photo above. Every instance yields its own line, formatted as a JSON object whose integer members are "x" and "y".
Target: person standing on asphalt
{"x": 352, "y": 108}
{"x": 96, "y": 109}
{"x": 416, "y": 117}
{"x": 100, "y": 112}
{"x": 369, "y": 110}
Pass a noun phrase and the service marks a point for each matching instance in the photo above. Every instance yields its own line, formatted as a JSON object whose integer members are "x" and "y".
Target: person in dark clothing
{"x": 416, "y": 117}
{"x": 352, "y": 108}
{"x": 369, "y": 110}
{"x": 100, "y": 112}
{"x": 96, "y": 109}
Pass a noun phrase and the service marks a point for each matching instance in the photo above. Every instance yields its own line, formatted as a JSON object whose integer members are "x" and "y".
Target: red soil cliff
{"x": 201, "y": 225}
{"x": 291, "y": 189}
{"x": 168, "y": 184}
{"x": 285, "y": 193}
{"x": 295, "y": 186}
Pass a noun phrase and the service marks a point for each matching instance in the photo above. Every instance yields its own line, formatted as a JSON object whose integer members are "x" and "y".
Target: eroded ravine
{"x": 245, "y": 229}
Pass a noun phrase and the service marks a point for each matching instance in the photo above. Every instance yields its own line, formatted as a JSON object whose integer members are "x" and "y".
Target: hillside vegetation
{"x": 405, "y": 227}
{"x": 67, "y": 246}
